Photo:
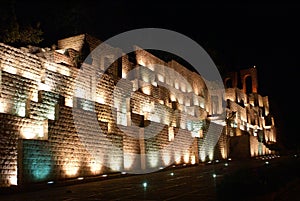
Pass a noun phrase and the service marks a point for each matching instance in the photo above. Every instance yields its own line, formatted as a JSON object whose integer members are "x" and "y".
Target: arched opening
{"x": 228, "y": 83}
{"x": 215, "y": 104}
{"x": 248, "y": 83}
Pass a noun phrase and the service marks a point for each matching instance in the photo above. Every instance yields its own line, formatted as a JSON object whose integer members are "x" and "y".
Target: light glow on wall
{"x": 100, "y": 99}
{"x": 166, "y": 158}
{"x": 95, "y": 166}
{"x": 124, "y": 73}
{"x": 183, "y": 87}
{"x": 32, "y": 131}
{"x": 122, "y": 119}
{"x": 145, "y": 78}
{"x": 180, "y": 100}
{"x": 182, "y": 124}
{"x": 50, "y": 67}
{"x": 223, "y": 152}
{"x": 187, "y": 102}
{"x": 34, "y": 96}
{"x": 155, "y": 118}
{"x": 39, "y": 170}
{"x": 147, "y": 90}
{"x": 189, "y": 125}
{"x": 20, "y": 109}
{"x": 3, "y": 107}
{"x": 71, "y": 167}
{"x": 172, "y": 97}
{"x": 51, "y": 113}
{"x": 128, "y": 160}
{"x": 81, "y": 93}
{"x": 13, "y": 178}
{"x": 141, "y": 62}
{"x": 64, "y": 71}
{"x": 10, "y": 69}
{"x": 186, "y": 157}
{"x": 171, "y": 133}
{"x": 148, "y": 107}
{"x": 176, "y": 85}
{"x": 166, "y": 120}
{"x": 27, "y": 133}
{"x": 211, "y": 155}
{"x": 44, "y": 87}
{"x": 201, "y": 105}
{"x": 39, "y": 130}
{"x": 255, "y": 134}
{"x": 195, "y": 134}
{"x": 202, "y": 156}
{"x": 177, "y": 157}
{"x": 160, "y": 78}
{"x": 27, "y": 74}
{"x": 115, "y": 163}
{"x": 69, "y": 101}
{"x": 151, "y": 66}
{"x": 153, "y": 158}
{"x": 109, "y": 127}
{"x": 195, "y": 89}
{"x": 196, "y": 101}
{"x": 135, "y": 85}
{"x": 260, "y": 148}
{"x": 238, "y": 132}
{"x": 242, "y": 127}
{"x": 193, "y": 159}
{"x": 253, "y": 146}
{"x": 200, "y": 133}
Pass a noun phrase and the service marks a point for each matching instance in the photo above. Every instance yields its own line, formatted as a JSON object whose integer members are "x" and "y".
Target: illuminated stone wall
{"x": 58, "y": 122}
{"x": 35, "y": 161}
{"x": 41, "y": 99}
{"x": 251, "y": 113}
{"x": 9, "y": 127}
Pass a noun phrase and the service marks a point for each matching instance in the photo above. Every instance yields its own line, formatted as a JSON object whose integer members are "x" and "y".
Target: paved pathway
{"x": 187, "y": 183}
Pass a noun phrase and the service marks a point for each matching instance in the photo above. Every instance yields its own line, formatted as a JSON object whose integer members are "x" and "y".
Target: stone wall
{"x": 68, "y": 151}
{"x": 35, "y": 161}
{"x": 9, "y": 127}
{"x": 59, "y": 121}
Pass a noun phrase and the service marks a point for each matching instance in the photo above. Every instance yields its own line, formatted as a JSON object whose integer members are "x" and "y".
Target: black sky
{"x": 243, "y": 35}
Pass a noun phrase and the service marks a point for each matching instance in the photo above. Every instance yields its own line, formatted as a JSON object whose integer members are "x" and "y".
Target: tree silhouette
{"x": 14, "y": 32}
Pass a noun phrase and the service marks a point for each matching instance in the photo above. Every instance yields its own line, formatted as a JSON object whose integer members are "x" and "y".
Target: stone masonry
{"x": 63, "y": 117}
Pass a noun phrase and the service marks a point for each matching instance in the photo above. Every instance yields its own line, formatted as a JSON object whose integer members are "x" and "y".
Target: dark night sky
{"x": 243, "y": 35}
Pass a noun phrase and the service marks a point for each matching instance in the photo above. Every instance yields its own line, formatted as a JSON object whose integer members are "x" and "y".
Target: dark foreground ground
{"x": 262, "y": 179}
